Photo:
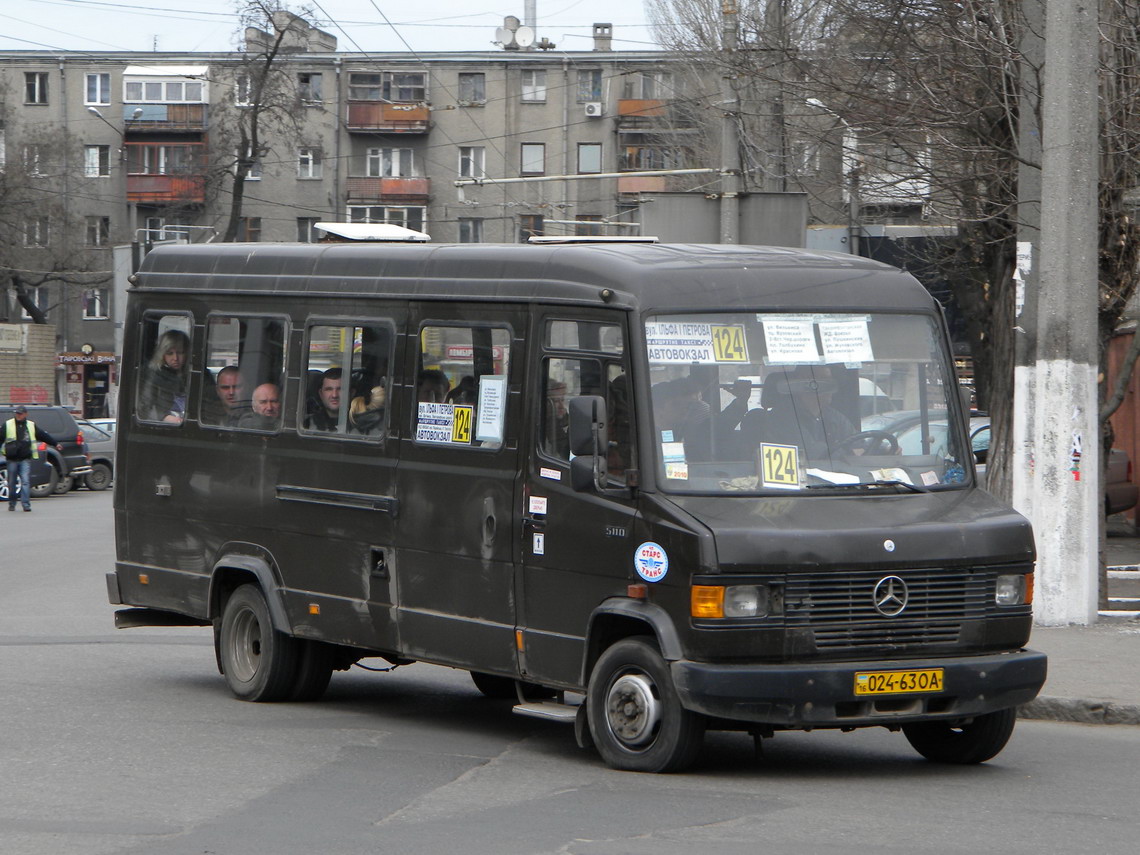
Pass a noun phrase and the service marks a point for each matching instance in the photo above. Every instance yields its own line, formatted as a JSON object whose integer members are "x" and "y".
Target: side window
{"x": 242, "y": 385}
{"x": 585, "y": 358}
{"x": 164, "y": 370}
{"x": 346, "y": 380}
{"x": 461, "y": 386}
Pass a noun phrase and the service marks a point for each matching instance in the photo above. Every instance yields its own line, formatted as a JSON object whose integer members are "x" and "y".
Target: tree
{"x": 263, "y": 98}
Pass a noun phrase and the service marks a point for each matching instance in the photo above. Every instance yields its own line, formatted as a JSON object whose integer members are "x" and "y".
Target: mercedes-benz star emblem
{"x": 890, "y": 596}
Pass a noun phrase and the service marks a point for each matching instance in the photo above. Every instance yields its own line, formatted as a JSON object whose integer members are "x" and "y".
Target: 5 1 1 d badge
{"x": 779, "y": 466}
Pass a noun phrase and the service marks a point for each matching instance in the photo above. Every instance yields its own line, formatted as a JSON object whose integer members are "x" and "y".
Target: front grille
{"x": 839, "y": 607}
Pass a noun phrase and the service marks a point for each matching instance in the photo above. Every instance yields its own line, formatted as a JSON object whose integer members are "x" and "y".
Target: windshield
{"x": 770, "y": 402}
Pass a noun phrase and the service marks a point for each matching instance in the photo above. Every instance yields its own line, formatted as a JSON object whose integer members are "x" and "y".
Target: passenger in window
{"x": 265, "y": 412}
{"x": 366, "y": 412}
{"x": 802, "y": 413}
{"x": 229, "y": 405}
{"x": 465, "y": 393}
{"x": 682, "y": 416}
{"x": 432, "y": 386}
{"x": 326, "y": 413}
{"x": 162, "y": 397}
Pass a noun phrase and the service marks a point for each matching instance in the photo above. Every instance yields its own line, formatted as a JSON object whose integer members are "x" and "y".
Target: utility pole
{"x": 1066, "y": 432}
{"x": 729, "y": 142}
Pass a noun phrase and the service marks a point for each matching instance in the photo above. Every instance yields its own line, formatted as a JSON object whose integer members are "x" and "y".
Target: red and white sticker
{"x": 651, "y": 562}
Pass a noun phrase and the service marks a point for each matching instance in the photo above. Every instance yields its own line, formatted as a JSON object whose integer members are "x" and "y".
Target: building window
{"x": 586, "y": 225}
{"x": 472, "y": 161}
{"x": 36, "y": 231}
{"x": 589, "y": 85}
{"x": 309, "y": 163}
{"x": 470, "y": 230}
{"x": 472, "y": 87}
{"x": 33, "y": 161}
{"x": 409, "y": 218}
{"x": 96, "y": 161}
{"x": 390, "y": 163}
{"x": 307, "y": 229}
{"x": 530, "y": 225}
{"x": 163, "y": 91}
{"x": 243, "y": 91}
{"x": 533, "y": 158}
{"x": 589, "y": 158}
{"x": 401, "y": 86}
{"x": 39, "y": 297}
{"x": 254, "y": 173}
{"x": 648, "y": 85}
{"x": 534, "y": 84}
{"x": 35, "y": 87}
{"x": 98, "y": 89}
{"x": 163, "y": 159}
{"x": 96, "y": 304}
{"x": 249, "y": 230}
{"x": 98, "y": 231}
{"x": 309, "y": 87}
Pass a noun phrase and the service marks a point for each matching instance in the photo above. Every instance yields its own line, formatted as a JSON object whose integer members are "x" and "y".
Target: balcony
{"x": 650, "y": 108}
{"x": 641, "y": 184}
{"x": 654, "y": 115}
{"x": 163, "y": 118}
{"x": 401, "y": 190}
{"x": 381, "y": 117}
{"x": 166, "y": 189}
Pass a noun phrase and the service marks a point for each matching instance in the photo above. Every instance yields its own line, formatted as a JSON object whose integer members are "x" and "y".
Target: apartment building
{"x": 100, "y": 149}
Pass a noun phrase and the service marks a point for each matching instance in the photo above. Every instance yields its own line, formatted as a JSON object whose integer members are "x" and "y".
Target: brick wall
{"x": 29, "y": 377}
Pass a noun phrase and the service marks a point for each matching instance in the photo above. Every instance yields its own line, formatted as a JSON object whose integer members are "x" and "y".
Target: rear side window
{"x": 242, "y": 386}
{"x": 164, "y": 370}
{"x": 461, "y": 386}
{"x": 346, "y": 380}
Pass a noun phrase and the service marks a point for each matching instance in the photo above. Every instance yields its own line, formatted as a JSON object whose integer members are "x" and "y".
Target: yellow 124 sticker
{"x": 729, "y": 344}
{"x": 779, "y": 466}
{"x": 461, "y": 425}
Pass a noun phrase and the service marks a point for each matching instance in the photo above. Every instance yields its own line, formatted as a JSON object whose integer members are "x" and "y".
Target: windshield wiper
{"x": 864, "y": 485}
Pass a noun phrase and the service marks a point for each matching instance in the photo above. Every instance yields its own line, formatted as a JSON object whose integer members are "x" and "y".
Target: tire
{"x": 503, "y": 688}
{"x": 962, "y": 744}
{"x": 44, "y": 490}
{"x": 635, "y": 714}
{"x": 259, "y": 663}
{"x": 99, "y": 478}
{"x": 314, "y": 670}
{"x": 65, "y": 485}
{"x": 4, "y": 494}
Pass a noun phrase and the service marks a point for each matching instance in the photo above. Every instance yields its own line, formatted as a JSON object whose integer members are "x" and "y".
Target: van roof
{"x": 644, "y": 276}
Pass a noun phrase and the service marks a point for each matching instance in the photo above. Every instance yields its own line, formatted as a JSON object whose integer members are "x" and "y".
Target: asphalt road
{"x": 127, "y": 741}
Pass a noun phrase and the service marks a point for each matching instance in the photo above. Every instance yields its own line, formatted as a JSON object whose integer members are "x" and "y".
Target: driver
{"x": 802, "y": 413}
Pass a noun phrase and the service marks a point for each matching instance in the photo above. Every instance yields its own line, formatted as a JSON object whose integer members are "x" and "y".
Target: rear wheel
{"x": 975, "y": 741}
{"x": 47, "y": 488}
{"x": 314, "y": 670}
{"x": 64, "y": 485}
{"x": 99, "y": 478}
{"x": 635, "y": 714}
{"x": 4, "y": 494}
{"x": 260, "y": 663}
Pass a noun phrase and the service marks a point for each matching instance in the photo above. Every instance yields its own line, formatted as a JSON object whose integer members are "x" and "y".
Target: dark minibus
{"x": 647, "y": 489}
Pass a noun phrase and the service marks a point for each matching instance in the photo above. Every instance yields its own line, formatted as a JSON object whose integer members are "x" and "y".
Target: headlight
{"x": 1014, "y": 589}
{"x": 733, "y": 601}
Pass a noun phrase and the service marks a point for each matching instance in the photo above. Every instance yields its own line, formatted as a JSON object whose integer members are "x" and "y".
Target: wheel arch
{"x": 620, "y": 618}
{"x": 233, "y": 569}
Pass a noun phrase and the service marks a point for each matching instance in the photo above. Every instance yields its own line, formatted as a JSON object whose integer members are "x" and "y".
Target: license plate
{"x": 898, "y": 682}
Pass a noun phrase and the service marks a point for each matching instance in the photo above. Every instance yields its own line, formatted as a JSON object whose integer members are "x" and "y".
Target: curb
{"x": 1080, "y": 711}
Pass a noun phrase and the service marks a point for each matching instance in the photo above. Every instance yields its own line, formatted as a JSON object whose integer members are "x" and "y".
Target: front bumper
{"x": 805, "y": 696}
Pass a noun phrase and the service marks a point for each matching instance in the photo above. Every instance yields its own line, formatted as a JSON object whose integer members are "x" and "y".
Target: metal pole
{"x": 729, "y": 143}
{"x": 1067, "y": 503}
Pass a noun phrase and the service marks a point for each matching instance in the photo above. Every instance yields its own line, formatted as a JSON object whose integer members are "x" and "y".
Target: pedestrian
{"x": 21, "y": 440}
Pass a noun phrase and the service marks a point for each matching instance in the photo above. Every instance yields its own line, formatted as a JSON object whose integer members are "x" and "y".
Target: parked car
{"x": 40, "y": 472}
{"x": 65, "y": 466}
{"x": 101, "y": 449}
{"x": 1120, "y": 493}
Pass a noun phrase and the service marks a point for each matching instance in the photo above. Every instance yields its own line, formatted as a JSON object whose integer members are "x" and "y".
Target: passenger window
{"x": 346, "y": 380}
{"x": 461, "y": 386}
{"x": 242, "y": 385}
{"x": 164, "y": 376}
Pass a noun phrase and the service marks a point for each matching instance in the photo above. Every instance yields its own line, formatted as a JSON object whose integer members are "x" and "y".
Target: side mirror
{"x": 589, "y": 442}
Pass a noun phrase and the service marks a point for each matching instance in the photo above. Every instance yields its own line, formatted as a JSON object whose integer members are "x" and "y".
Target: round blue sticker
{"x": 651, "y": 562}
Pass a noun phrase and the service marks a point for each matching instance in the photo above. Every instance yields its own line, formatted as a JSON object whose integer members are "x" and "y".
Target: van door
{"x": 456, "y": 484}
{"x": 575, "y": 548}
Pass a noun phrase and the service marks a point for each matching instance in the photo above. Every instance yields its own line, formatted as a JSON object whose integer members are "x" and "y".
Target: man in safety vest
{"x": 21, "y": 439}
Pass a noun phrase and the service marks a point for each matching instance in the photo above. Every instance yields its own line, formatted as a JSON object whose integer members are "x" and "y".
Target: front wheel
{"x": 99, "y": 478}
{"x": 64, "y": 485}
{"x": 260, "y": 663}
{"x": 975, "y": 741}
{"x": 635, "y": 714}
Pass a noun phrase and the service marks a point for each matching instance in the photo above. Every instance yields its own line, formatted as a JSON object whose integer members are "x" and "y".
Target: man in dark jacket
{"x": 21, "y": 441}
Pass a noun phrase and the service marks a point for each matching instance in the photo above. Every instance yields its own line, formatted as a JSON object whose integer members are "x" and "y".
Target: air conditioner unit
{"x": 594, "y": 110}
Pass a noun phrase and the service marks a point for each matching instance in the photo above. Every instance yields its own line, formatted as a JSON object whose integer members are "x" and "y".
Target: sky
{"x": 364, "y": 25}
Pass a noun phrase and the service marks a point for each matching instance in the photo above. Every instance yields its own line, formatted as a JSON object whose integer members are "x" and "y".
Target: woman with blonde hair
{"x": 366, "y": 412}
{"x": 162, "y": 396}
